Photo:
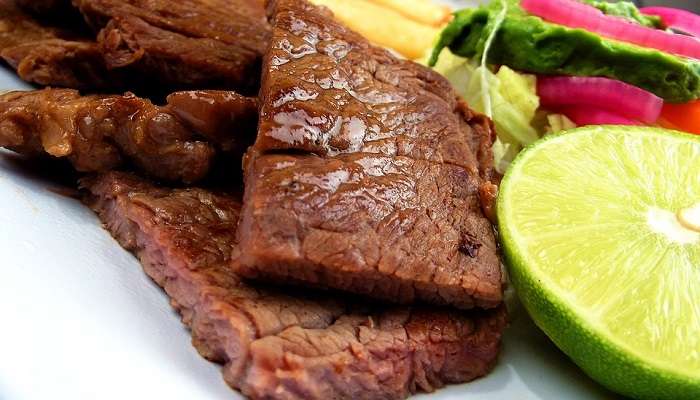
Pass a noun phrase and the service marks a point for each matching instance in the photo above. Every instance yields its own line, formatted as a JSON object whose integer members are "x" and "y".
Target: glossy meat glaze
{"x": 386, "y": 179}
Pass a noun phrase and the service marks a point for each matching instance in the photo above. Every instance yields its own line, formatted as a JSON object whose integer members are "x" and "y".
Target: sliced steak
{"x": 205, "y": 43}
{"x": 64, "y": 63}
{"x": 185, "y": 240}
{"x": 386, "y": 354}
{"x": 396, "y": 228}
{"x": 327, "y": 90}
{"x": 387, "y": 180}
{"x": 18, "y": 27}
{"x": 216, "y": 114}
{"x": 97, "y": 133}
{"x": 151, "y": 47}
{"x": 52, "y": 56}
{"x": 237, "y": 22}
{"x": 284, "y": 346}
{"x": 175, "y": 60}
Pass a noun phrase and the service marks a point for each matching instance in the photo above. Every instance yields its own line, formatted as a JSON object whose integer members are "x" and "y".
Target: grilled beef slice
{"x": 237, "y": 22}
{"x": 52, "y": 56}
{"x": 216, "y": 114}
{"x": 284, "y": 346}
{"x": 327, "y": 90}
{"x": 146, "y": 46}
{"x": 387, "y": 178}
{"x": 394, "y": 228}
{"x": 98, "y": 133}
{"x": 175, "y": 60}
{"x": 190, "y": 43}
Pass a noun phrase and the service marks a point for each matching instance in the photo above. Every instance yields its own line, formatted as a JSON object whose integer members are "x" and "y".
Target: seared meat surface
{"x": 284, "y": 346}
{"x": 387, "y": 182}
{"x": 368, "y": 175}
{"x": 190, "y": 43}
{"x": 142, "y": 45}
{"x": 51, "y": 56}
{"x": 237, "y": 22}
{"x": 393, "y": 228}
{"x": 99, "y": 133}
{"x": 64, "y": 63}
{"x": 175, "y": 60}
{"x": 327, "y": 90}
{"x": 215, "y": 114}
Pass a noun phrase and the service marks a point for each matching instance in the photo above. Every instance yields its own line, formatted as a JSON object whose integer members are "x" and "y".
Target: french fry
{"x": 384, "y": 26}
{"x": 423, "y": 11}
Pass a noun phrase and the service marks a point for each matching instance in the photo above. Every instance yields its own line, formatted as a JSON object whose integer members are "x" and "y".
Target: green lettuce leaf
{"x": 513, "y": 98}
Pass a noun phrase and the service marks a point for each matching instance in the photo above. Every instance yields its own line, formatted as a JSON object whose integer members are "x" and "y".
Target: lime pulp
{"x": 600, "y": 231}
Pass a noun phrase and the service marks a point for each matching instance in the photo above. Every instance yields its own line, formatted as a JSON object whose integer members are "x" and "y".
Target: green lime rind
{"x": 593, "y": 349}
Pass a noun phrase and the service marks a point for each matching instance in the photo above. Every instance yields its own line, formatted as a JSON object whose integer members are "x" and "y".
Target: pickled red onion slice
{"x": 677, "y": 19}
{"x": 584, "y": 116}
{"x": 615, "y": 96}
{"x": 573, "y": 14}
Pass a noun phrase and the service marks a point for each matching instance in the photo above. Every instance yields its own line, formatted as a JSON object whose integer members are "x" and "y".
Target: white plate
{"x": 80, "y": 320}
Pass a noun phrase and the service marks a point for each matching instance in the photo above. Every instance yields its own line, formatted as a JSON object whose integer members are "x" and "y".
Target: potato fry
{"x": 384, "y": 26}
{"x": 423, "y": 11}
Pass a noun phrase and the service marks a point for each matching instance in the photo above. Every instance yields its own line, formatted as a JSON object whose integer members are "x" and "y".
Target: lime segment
{"x": 600, "y": 231}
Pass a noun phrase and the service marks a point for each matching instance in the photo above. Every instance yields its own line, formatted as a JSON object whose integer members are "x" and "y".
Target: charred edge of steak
{"x": 44, "y": 6}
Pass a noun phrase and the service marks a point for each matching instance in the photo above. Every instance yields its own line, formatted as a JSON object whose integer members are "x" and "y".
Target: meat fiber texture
{"x": 52, "y": 56}
{"x": 183, "y": 44}
{"x": 277, "y": 344}
{"x": 176, "y": 142}
{"x": 151, "y": 47}
{"x": 394, "y": 228}
{"x": 386, "y": 184}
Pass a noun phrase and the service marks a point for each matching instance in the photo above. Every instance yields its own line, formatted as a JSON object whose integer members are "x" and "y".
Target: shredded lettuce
{"x": 512, "y": 96}
{"x": 503, "y": 154}
{"x": 558, "y": 122}
{"x": 521, "y": 91}
{"x": 508, "y": 97}
{"x": 483, "y": 73}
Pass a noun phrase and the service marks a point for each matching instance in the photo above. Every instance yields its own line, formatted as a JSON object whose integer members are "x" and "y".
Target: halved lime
{"x": 600, "y": 231}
